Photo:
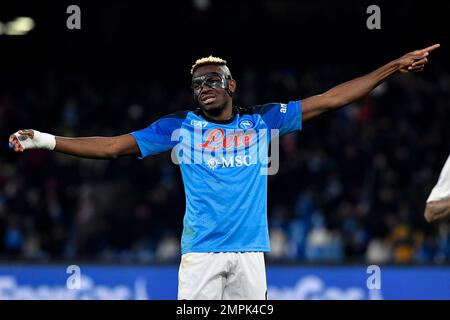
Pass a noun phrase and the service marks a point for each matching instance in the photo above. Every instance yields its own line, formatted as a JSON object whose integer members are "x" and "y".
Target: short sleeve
{"x": 442, "y": 189}
{"x": 284, "y": 117}
{"x": 157, "y": 137}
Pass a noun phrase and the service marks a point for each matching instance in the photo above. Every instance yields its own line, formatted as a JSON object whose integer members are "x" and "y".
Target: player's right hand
{"x": 16, "y": 138}
{"x": 31, "y": 139}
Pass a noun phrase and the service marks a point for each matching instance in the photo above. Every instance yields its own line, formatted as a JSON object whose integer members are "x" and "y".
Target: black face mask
{"x": 214, "y": 80}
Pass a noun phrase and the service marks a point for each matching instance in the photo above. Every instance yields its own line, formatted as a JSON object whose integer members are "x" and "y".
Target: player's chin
{"x": 214, "y": 107}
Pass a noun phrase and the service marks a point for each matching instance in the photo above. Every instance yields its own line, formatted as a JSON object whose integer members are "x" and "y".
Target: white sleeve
{"x": 442, "y": 189}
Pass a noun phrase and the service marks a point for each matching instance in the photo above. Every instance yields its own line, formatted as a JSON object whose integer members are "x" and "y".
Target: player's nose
{"x": 205, "y": 89}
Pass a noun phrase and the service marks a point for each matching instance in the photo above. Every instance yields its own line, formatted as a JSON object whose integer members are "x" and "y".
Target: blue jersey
{"x": 224, "y": 168}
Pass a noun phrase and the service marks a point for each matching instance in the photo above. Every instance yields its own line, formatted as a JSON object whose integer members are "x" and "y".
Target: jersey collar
{"x": 201, "y": 113}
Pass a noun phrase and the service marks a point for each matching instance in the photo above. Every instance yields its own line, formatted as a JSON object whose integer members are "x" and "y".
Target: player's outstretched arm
{"x": 350, "y": 91}
{"x": 90, "y": 147}
{"x": 437, "y": 210}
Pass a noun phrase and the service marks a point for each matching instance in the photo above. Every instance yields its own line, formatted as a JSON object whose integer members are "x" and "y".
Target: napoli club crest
{"x": 245, "y": 124}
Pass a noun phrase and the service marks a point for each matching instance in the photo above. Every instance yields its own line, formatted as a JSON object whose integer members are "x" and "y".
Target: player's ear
{"x": 232, "y": 85}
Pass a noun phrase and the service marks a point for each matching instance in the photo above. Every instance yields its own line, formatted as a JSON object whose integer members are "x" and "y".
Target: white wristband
{"x": 40, "y": 140}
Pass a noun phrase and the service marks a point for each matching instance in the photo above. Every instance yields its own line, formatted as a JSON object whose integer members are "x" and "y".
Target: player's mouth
{"x": 208, "y": 99}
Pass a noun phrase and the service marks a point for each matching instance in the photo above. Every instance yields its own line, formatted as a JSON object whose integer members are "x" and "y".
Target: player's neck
{"x": 225, "y": 115}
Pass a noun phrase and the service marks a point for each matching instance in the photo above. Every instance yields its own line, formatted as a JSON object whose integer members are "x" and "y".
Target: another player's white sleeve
{"x": 442, "y": 189}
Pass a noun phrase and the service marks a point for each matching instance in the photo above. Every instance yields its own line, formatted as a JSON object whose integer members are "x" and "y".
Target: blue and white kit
{"x": 222, "y": 165}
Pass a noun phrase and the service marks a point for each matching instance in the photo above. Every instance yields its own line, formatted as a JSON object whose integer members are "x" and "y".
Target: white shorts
{"x": 222, "y": 276}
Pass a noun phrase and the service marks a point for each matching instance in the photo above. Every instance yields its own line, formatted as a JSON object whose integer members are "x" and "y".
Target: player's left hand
{"x": 415, "y": 61}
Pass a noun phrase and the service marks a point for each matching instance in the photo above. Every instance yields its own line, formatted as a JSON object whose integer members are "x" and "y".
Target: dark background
{"x": 136, "y": 38}
{"x": 362, "y": 174}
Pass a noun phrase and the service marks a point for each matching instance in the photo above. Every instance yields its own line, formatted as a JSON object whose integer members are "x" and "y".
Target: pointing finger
{"x": 430, "y": 48}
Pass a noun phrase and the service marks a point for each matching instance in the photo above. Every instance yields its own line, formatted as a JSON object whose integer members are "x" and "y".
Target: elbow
{"x": 429, "y": 212}
{"x": 428, "y": 215}
{"x": 437, "y": 210}
{"x": 112, "y": 154}
{"x": 112, "y": 151}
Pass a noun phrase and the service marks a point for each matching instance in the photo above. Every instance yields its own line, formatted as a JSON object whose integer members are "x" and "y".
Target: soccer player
{"x": 438, "y": 202}
{"x": 225, "y": 231}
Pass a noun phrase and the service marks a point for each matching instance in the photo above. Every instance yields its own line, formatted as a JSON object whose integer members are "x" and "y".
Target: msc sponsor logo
{"x": 212, "y": 163}
{"x": 283, "y": 108}
{"x": 230, "y": 162}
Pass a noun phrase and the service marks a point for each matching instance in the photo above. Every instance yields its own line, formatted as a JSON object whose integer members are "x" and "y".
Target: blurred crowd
{"x": 352, "y": 184}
